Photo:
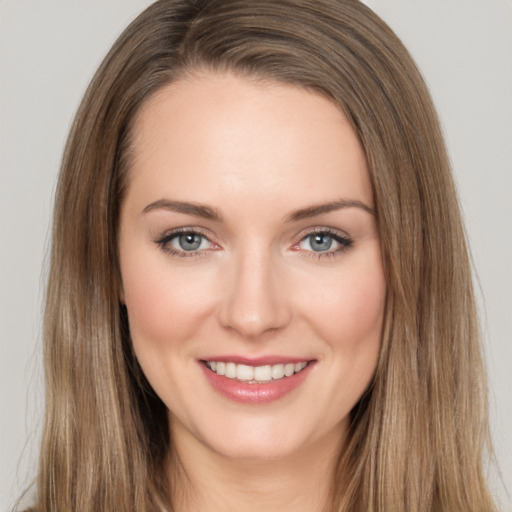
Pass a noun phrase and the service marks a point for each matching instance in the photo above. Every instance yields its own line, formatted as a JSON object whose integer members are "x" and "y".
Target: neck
{"x": 211, "y": 482}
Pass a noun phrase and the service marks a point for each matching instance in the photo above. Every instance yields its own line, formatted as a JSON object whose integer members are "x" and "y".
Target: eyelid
{"x": 342, "y": 238}
{"x": 163, "y": 241}
{"x": 170, "y": 233}
{"x": 337, "y": 233}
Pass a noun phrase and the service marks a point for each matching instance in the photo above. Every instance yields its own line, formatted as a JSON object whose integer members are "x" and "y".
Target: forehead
{"x": 209, "y": 136}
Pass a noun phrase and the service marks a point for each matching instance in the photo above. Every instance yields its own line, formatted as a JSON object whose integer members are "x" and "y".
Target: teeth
{"x": 230, "y": 372}
{"x": 263, "y": 373}
{"x": 247, "y": 373}
{"x": 278, "y": 371}
{"x": 244, "y": 372}
{"x": 289, "y": 369}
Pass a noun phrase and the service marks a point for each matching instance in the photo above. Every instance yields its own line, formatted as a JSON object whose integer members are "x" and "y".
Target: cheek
{"x": 349, "y": 319}
{"x": 166, "y": 310}
{"x": 363, "y": 303}
{"x": 349, "y": 312}
{"x": 164, "y": 306}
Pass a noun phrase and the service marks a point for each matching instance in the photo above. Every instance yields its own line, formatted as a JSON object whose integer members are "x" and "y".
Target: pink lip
{"x": 255, "y": 393}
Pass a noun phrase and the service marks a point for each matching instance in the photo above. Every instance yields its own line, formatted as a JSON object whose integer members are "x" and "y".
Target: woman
{"x": 260, "y": 294}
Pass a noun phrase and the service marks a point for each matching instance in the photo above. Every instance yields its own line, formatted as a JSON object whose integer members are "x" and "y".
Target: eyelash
{"x": 164, "y": 243}
{"x": 344, "y": 242}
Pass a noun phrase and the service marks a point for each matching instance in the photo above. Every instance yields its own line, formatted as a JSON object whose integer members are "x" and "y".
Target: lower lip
{"x": 255, "y": 393}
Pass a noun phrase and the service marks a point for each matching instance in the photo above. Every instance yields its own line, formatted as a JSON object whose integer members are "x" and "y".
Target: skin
{"x": 255, "y": 153}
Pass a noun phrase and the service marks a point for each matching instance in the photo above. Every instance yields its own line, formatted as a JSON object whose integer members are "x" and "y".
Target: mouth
{"x": 258, "y": 381}
{"x": 255, "y": 374}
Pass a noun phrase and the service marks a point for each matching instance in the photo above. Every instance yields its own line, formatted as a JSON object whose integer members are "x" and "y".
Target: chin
{"x": 262, "y": 439}
{"x": 257, "y": 449}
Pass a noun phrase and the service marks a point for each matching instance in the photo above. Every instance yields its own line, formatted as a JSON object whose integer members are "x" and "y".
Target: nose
{"x": 255, "y": 300}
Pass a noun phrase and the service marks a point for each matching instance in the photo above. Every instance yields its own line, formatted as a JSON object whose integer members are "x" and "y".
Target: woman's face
{"x": 251, "y": 265}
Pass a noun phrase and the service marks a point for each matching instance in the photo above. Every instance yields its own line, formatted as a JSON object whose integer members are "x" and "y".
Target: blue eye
{"x": 189, "y": 241}
{"x": 184, "y": 243}
{"x": 325, "y": 242}
{"x": 320, "y": 242}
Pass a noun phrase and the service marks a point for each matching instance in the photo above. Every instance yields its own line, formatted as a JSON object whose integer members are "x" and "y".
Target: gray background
{"x": 48, "y": 52}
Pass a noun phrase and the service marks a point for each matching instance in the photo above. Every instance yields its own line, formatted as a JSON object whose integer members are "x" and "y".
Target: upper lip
{"x": 256, "y": 361}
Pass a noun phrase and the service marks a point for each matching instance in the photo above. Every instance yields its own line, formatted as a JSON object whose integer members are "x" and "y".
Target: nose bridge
{"x": 256, "y": 300}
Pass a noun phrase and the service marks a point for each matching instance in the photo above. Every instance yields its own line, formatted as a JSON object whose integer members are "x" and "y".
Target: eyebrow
{"x": 198, "y": 210}
{"x": 319, "y": 209}
{"x": 207, "y": 212}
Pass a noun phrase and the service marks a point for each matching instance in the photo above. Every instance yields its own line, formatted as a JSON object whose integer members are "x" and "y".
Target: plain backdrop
{"x": 49, "y": 50}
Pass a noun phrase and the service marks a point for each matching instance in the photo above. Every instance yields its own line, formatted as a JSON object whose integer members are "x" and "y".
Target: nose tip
{"x": 255, "y": 301}
{"x": 251, "y": 326}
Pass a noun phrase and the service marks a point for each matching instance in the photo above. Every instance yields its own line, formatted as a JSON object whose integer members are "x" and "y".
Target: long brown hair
{"x": 418, "y": 435}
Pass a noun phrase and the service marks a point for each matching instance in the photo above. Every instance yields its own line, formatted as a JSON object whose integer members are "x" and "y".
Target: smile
{"x": 260, "y": 381}
{"x": 255, "y": 374}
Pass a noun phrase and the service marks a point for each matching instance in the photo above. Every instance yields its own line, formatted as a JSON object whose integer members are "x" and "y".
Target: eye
{"x": 189, "y": 242}
{"x": 185, "y": 243}
{"x": 324, "y": 242}
{"x": 318, "y": 242}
